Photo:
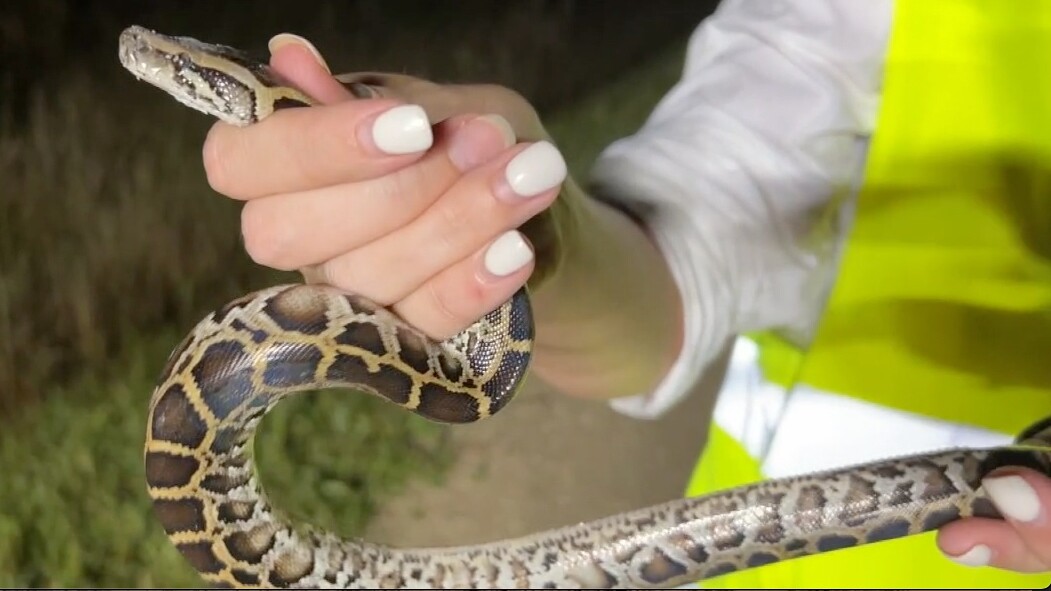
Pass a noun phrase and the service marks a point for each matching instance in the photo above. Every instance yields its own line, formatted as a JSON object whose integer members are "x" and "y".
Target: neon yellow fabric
{"x": 735, "y": 465}
{"x": 943, "y": 301}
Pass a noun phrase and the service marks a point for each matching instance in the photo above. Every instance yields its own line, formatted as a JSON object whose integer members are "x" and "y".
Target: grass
{"x": 158, "y": 252}
{"x": 112, "y": 221}
{"x": 75, "y": 510}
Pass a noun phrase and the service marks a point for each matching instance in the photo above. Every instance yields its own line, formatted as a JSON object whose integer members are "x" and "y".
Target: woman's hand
{"x": 426, "y": 214}
{"x": 366, "y": 196}
{"x": 1022, "y": 541}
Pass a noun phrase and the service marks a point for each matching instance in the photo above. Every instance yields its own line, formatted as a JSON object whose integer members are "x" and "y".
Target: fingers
{"x": 359, "y": 139}
{"x": 408, "y": 198}
{"x": 307, "y": 228}
{"x": 1000, "y": 546}
{"x": 486, "y": 202}
{"x": 301, "y": 64}
{"x": 1022, "y": 541}
{"x": 300, "y": 229}
{"x": 442, "y": 100}
{"x": 470, "y": 289}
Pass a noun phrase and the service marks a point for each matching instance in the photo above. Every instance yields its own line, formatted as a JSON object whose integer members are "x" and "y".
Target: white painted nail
{"x": 536, "y": 169}
{"x": 980, "y": 555}
{"x": 507, "y": 254}
{"x": 402, "y": 130}
{"x": 1013, "y": 496}
{"x": 281, "y": 39}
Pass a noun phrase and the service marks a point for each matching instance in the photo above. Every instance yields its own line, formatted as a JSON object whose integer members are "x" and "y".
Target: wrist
{"x": 609, "y": 318}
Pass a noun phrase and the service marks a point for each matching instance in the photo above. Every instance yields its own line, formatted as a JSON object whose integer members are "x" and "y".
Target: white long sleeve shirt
{"x": 766, "y": 129}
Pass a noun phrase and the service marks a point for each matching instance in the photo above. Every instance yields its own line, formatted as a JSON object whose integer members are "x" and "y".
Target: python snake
{"x": 246, "y": 356}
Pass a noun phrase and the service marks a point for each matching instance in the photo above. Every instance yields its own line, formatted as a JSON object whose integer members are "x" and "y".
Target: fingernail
{"x": 282, "y": 39}
{"x": 503, "y": 127}
{"x": 402, "y": 130}
{"x": 979, "y": 555}
{"x": 479, "y": 140}
{"x": 1013, "y": 496}
{"x": 507, "y": 254}
{"x": 362, "y": 91}
{"x": 536, "y": 169}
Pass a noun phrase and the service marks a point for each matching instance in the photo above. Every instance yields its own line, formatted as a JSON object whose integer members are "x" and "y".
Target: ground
{"x": 548, "y": 461}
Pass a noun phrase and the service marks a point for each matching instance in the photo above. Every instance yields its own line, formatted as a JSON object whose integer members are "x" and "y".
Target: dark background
{"x": 550, "y": 50}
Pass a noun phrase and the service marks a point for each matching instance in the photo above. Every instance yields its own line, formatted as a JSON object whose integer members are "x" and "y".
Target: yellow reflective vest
{"x": 940, "y": 318}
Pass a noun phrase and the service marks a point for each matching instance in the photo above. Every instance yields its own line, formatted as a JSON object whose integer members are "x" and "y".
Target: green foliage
{"x": 73, "y": 490}
{"x": 107, "y": 217}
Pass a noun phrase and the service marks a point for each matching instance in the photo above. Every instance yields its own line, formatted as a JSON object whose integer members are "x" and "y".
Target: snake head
{"x": 214, "y": 79}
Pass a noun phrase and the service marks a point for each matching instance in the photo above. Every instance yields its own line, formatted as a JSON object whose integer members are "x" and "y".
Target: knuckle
{"x": 413, "y": 189}
{"x": 451, "y": 314}
{"x": 343, "y": 273}
{"x": 314, "y": 147}
{"x": 451, "y": 224}
{"x": 265, "y": 236}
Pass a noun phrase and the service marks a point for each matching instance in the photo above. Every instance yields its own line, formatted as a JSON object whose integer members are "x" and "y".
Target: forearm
{"x": 737, "y": 192}
{"x": 609, "y": 322}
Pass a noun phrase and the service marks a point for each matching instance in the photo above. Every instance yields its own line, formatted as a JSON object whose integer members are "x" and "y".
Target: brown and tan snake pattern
{"x": 242, "y": 359}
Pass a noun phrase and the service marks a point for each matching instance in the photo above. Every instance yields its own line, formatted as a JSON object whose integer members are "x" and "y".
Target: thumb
{"x": 442, "y": 101}
{"x": 300, "y": 63}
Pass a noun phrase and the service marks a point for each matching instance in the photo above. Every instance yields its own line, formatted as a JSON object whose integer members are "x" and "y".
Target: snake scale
{"x": 246, "y": 356}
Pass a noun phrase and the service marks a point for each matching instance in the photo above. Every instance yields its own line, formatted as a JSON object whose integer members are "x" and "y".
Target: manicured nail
{"x": 980, "y": 555}
{"x": 1013, "y": 496}
{"x": 402, "y": 130}
{"x": 536, "y": 169}
{"x": 507, "y": 254}
{"x": 479, "y": 140}
{"x": 282, "y": 39}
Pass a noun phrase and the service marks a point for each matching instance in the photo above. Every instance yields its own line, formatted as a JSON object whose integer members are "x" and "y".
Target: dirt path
{"x": 548, "y": 461}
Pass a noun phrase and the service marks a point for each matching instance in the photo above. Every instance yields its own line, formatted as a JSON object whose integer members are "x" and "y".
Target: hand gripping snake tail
{"x": 242, "y": 359}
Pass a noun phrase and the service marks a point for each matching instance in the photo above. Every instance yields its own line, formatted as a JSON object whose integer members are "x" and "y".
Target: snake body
{"x": 246, "y": 356}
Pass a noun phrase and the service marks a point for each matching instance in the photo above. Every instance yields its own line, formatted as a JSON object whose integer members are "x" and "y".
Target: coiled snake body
{"x": 242, "y": 359}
